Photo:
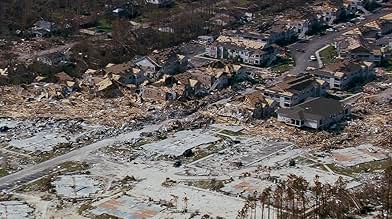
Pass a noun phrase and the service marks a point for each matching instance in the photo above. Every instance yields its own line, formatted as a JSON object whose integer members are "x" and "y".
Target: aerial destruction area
{"x": 204, "y": 109}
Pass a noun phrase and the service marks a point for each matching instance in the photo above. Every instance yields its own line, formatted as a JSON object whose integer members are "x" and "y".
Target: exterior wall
{"x": 139, "y": 78}
{"x": 311, "y": 124}
{"x": 287, "y": 101}
{"x": 366, "y": 57}
{"x": 301, "y": 28}
{"x": 212, "y": 51}
{"x": 282, "y": 100}
{"x": 329, "y": 121}
{"x": 328, "y": 17}
{"x": 289, "y": 121}
{"x": 242, "y": 55}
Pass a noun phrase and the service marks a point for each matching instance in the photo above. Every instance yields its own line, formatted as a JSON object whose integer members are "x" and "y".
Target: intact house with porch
{"x": 250, "y": 50}
{"x": 318, "y": 113}
{"x": 342, "y": 75}
{"x": 295, "y": 89}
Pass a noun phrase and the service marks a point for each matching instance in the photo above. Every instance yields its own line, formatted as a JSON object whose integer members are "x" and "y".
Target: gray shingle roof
{"x": 314, "y": 109}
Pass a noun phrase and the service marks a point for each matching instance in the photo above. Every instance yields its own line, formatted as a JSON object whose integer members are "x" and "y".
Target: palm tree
{"x": 267, "y": 195}
{"x": 278, "y": 199}
{"x": 317, "y": 190}
{"x": 386, "y": 191}
{"x": 262, "y": 200}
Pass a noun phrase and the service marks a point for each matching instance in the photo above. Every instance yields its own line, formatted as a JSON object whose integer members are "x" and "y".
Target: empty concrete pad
{"x": 15, "y": 210}
{"x": 180, "y": 142}
{"x": 76, "y": 186}
{"x": 42, "y": 141}
{"x": 127, "y": 207}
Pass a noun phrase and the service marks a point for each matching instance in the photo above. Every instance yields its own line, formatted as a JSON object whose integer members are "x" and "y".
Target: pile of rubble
{"x": 18, "y": 102}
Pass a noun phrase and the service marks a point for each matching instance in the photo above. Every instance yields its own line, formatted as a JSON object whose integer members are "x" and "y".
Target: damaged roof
{"x": 241, "y": 42}
{"x": 293, "y": 84}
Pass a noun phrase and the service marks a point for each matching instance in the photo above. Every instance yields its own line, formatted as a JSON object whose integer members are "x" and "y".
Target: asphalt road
{"x": 317, "y": 42}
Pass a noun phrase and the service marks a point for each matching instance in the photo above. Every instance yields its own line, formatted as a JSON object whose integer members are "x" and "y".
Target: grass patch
{"x": 142, "y": 142}
{"x": 3, "y": 172}
{"x": 40, "y": 185}
{"x": 44, "y": 184}
{"x": 361, "y": 168}
{"x": 283, "y": 65}
{"x": 199, "y": 154}
{"x": 319, "y": 167}
{"x": 303, "y": 161}
{"x": 58, "y": 150}
{"x": 73, "y": 166}
{"x": 231, "y": 133}
{"x": 84, "y": 207}
{"x": 47, "y": 156}
{"x": 104, "y": 25}
{"x": 328, "y": 55}
{"x": 387, "y": 64}
{"x": 211, "y": 184}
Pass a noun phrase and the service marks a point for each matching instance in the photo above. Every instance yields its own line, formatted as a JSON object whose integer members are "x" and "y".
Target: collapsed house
{"x": 295, "y": 89}
{"x": 43, "y": 28}
{"x": 251, "y": 105}
{"x": 317, "y": 113}
{"x": 52, "y": 59}
{"x": 354, "y": 46}
{"x": 126, "y": 73}
{"x": 371, "y": 30}
{"x": 147, "y": 64}
{"x": 158, "y": 93}
{"x": 386, "y": 24}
